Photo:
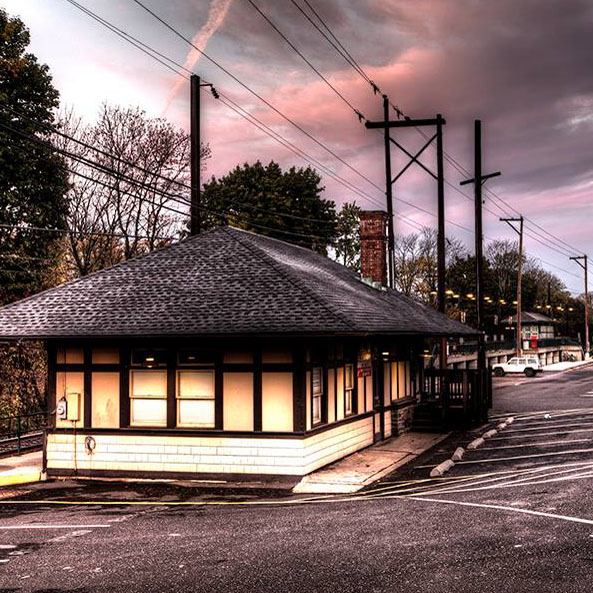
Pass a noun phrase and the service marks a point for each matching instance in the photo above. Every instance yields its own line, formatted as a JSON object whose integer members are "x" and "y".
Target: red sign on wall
{"x": 364, "y": 369}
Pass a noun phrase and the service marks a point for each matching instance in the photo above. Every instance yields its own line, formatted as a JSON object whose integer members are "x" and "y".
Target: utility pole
{"x": 510, "y": 221}
{"x": 582, "y": 261}
{"x": 195, "y": 222}
{"x": 389, "y": 196}
{"x": 195, "y": 152}
{"x": 386, "y": 124}
{"x": 478, "y": 180}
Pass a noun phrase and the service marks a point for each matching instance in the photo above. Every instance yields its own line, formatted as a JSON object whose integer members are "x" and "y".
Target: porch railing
{"x": 458, "y": 396}
{"x": 21, "y": 432}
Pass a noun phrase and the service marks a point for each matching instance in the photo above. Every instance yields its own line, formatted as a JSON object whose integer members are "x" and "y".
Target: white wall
{"x": 209, "y": 454}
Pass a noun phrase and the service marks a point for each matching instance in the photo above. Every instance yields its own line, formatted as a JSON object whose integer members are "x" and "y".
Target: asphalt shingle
{"x": 224, "y": 282}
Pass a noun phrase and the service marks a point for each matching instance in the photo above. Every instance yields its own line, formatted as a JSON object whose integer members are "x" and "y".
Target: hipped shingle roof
{"x": 226, "y": 282}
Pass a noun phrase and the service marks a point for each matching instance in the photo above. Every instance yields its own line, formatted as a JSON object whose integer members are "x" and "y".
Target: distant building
{"x": 534, "y": 327}
{"x": 228, "y": 353}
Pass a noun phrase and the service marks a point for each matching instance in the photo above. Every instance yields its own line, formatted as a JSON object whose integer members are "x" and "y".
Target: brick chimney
{"x": 373, "y": 241}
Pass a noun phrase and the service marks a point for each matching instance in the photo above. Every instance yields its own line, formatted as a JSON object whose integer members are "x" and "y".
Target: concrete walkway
{"x": 365, "y": 467}
{"x": 20, "y": 470}
{"x": 564, "y": 366}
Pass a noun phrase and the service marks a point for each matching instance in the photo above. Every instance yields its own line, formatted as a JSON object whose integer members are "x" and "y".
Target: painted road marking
{"x": 519, "y": 483}
{"x": 570, "y": 412}
{"x": 571, "y": 452}
{"x": 540, "y": 444}
{"x": 535, "y": 477}
{"x": 543, "y": 434}
{"x": 555, "y": 426}
{"x": 36, "y": 526}
{"x": 505, "y": 508}
{"x": 524, "y": 474}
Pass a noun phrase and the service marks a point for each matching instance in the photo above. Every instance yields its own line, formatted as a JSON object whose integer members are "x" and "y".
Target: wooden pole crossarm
{"x": 509, "y": 221}
{"x": 414, "y": 158}
{"x": 484, "y": 178}
{"x": 405, "y": 123}
{"x": 578, "y": 260}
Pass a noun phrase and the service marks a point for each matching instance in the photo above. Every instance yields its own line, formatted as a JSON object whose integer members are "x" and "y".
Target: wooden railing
{"x": 460, "y": 396}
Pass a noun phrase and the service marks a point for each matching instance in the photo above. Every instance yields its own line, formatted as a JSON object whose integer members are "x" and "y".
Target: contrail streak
{"x": 216, "y": 16}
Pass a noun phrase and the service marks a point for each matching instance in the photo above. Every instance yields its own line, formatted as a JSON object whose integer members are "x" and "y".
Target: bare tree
{"x": 416, "y": 262}
{"x": 130, "y": 178}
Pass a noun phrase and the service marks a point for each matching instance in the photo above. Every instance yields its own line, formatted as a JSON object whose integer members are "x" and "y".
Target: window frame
{"x": 317, "y": 396}
{"x": 149, "y": 397}
{"x": 211, "y": 370}
{"x": 349, "y": 392}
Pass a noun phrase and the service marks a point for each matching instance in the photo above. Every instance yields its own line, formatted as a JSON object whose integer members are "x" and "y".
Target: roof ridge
{"x": 295, "y": 281}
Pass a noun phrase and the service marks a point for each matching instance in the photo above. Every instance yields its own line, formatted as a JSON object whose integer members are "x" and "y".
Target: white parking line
{"x": 36, "y": 526}
{"x": 544, "y": 444}
{"x": 531, "y": 477}
{"x": 571, "y": 452}
{"x": 542, "y": 434}
{"x": 557, "y": 413}
{"x": 504, "y": 508}
{"x": 551, "y": 425}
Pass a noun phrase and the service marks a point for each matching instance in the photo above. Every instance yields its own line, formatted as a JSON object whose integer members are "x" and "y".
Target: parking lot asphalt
{"x": 514, "y": 515}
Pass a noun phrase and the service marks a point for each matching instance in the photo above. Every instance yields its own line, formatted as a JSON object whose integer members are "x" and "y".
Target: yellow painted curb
{"x": 14, "y": 479}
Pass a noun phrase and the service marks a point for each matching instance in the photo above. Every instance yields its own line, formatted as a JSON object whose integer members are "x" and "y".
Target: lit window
{"x": 317, "y": 391}
{"x": 195, "y": 399}
{"x": 348, "y": 389}
{"x": 148, "y": 398}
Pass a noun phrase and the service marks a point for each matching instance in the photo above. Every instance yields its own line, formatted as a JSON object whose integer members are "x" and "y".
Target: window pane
{"x": 149, "y": 412}
{"x": 316, "y": 409}
{"x": 317, "y": 382}
{"x": 349, "y": 377}
{"x": 348, "y": 403}
{"x": 149, "y": 384}
{"x": 195, "y": 413}
{"x": 196, "y": 384}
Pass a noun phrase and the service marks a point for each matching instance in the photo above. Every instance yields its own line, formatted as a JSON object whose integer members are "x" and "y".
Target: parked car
{"x": 529, "y": 365}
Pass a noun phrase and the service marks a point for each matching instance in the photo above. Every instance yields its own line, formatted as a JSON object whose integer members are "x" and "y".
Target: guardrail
{"x": 21, "y": 431}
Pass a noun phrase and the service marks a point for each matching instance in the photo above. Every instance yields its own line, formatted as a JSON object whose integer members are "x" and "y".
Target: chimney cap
{"x": 366, "y": 214}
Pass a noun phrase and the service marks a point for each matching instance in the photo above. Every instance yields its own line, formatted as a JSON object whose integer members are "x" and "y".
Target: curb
{"x": 446, "y": 465}
{"x": 458, "y": 455}
{"x": 441, "y": 468}
{"x": 476, "y": 443}
{"x": 16, "y": 479}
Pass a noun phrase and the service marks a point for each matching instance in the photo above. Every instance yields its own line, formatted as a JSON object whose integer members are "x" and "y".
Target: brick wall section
{"x": 215, "y": 454}
{"x": 401, "y": 419}
{"x": 373, "y": 256}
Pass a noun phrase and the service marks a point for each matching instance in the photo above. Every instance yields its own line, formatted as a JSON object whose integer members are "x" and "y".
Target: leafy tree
{"x": 33, "y": 179}
{"x": 286, "y": 205}
{"x": 347, "y": 246}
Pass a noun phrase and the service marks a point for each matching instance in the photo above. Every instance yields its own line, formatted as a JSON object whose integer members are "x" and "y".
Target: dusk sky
{"x": 523, "y": 66}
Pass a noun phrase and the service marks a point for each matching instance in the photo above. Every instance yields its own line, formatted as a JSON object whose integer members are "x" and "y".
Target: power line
{"x": 256, "y": 94}
{"x": 173, "y": 197}
{"x": 159, "y": 57}
{"x": 307, "y": 61}
{"x": 537, "y": 236}
{"x": 157, "y": 175}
